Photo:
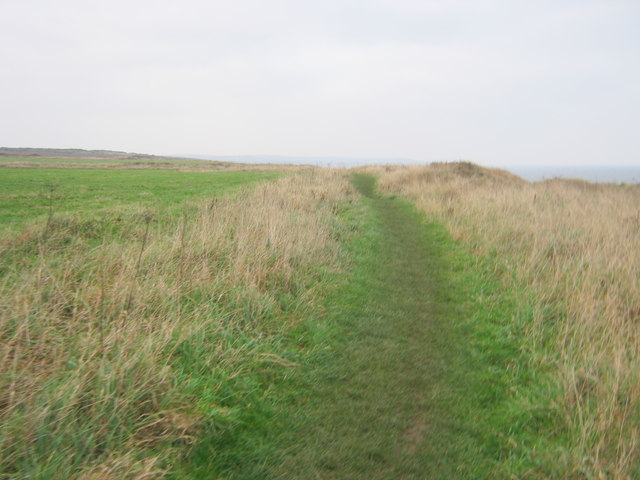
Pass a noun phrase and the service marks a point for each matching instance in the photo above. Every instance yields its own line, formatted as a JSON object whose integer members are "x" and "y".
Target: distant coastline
{"x": 599, "y": 173}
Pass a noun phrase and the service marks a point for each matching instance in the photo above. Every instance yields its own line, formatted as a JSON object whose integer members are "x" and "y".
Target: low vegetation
{"x": 163, "y": 323}
{"x": 127, "y": 337}
{"x": 566, "y": 251}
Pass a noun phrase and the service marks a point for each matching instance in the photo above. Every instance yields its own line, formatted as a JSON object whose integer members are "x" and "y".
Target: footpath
{"x": 395, "y": 398}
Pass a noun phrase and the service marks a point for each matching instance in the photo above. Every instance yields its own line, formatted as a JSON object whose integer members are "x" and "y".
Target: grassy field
{"x": 138, "y": 163}
{"x": 567, "y": 252}
{"x": 127, "y": 336}
{"x": 28, "y": 195}
{"x": 398, "y": 372}
{"x": 161, "y": 323}
{"x": 113, "y": 163}
{"x": 8, "y": 161}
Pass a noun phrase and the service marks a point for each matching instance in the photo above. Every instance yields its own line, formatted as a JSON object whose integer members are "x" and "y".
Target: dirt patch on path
{"x": 414, "y": 435}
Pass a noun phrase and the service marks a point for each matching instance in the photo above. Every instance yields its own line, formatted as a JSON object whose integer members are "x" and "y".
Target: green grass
{"x": 396, "y": 398}
{"x": 406, "y": 374}
{"x": 406, "y": 367}
{"x": 219, "y": 326}
{"x": 28, "y": 194}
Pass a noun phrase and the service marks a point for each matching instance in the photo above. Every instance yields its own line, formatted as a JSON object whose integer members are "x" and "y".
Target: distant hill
{"x": 250, "y": 159}
{"x": 75, "y": 153}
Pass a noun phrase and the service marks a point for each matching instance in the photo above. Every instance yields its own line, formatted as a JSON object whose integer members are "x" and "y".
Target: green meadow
{"x": 157, "y": 323}
{"x": 28, "y": 194}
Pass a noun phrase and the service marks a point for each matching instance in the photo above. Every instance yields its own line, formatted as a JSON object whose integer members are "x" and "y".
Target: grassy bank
{"x": 567, "y": 253}
{"x": 125, "y": 343}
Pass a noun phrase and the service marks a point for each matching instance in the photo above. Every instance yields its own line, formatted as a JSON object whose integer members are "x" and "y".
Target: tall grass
{"x": 121, "y": 337}
{"x": 571, "y": 250}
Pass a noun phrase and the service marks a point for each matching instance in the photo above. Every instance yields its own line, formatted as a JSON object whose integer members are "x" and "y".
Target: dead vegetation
{"x": 103, "y": 337}
{"x": 571, "y": 249}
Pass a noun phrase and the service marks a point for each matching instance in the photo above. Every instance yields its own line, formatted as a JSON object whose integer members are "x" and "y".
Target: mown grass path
{"x": 395, "y": 398}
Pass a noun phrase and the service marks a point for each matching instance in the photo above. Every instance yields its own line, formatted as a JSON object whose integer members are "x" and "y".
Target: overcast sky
{"x": 498, "y": 82}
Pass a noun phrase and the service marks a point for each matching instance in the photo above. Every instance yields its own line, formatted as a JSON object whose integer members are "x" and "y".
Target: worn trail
{"x": 391, "y": 400}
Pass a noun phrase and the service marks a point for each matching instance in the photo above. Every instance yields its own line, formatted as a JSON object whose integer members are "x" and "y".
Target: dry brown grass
{"x": 91, "y": 328}
{"x": 572, "y": 248}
